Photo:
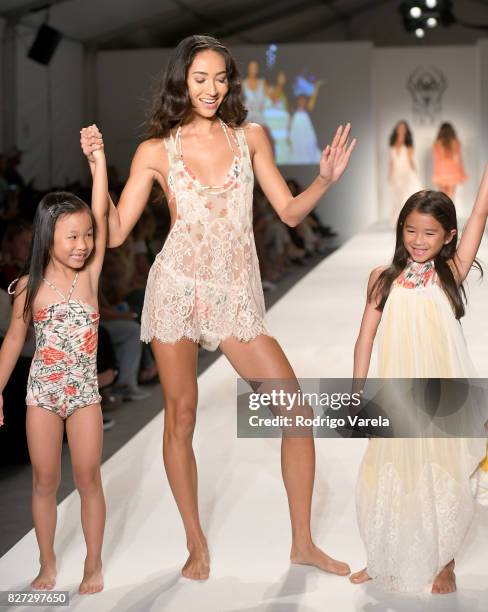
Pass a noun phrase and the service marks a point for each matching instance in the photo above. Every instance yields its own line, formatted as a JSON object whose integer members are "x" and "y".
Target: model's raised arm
{"x": 292, "y": 210}
{"x": 143, "y": 173}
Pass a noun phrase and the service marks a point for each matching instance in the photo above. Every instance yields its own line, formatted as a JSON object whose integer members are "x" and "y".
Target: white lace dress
{"x": 414, "y": 499}
{"x": 404, "y": 181}
{"x": 205, "y": 283}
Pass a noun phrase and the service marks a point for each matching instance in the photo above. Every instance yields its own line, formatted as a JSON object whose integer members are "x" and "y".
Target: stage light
{"x": 430, "y": 3}
{"x": 419, "y": 33}
{"x": 415, "y": 12}
{"x": 431, "y": 22}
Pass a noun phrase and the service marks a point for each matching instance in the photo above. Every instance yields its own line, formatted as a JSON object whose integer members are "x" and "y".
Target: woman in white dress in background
{"x": 402, "y": 174}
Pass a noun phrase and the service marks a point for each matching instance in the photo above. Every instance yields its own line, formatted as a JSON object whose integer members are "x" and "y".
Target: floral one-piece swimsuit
{"x": 63, "y": 372}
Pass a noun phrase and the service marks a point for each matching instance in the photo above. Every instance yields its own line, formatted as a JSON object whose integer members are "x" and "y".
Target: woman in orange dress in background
{"x": 448, "y": 169}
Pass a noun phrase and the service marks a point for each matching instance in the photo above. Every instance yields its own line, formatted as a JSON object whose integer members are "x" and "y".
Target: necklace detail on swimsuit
{"x": 235, "y": 166}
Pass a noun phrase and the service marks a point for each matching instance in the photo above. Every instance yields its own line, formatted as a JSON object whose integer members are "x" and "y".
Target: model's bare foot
{"x": 46, "y": 578}
{"x": 312, "y": 555}
{"x": 197, "y": 566}
{"x": 92, "y": 578}
{"x": 360, "y": 577}
{"x": 445, "y": 581}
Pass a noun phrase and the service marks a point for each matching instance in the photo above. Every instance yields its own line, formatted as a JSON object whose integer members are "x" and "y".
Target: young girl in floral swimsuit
{"x": 59, "y": 294}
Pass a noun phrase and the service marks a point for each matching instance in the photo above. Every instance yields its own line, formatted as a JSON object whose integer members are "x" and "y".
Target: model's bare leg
{"x": 85, "y": 438}
{"x": 445, "y": 581}
{"x": 177, "y": 367}
{"x": 45, "y": 438}
{"x": 264, "y": 358}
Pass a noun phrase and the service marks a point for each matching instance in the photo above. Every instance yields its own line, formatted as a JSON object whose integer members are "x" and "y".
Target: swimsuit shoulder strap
{"x": 54, "y": 288}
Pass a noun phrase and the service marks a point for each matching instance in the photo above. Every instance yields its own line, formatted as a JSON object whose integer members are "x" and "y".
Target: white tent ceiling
{"x": 122, "y": 24}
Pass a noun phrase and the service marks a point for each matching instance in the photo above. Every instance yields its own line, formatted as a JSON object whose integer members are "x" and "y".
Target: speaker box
{"x": 44, "y": 45}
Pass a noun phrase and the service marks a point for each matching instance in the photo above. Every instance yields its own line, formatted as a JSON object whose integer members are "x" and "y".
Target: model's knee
{"x": 45, "y": 485}
{"x": 87, "y": 481}
{"x": 180, "y": 419}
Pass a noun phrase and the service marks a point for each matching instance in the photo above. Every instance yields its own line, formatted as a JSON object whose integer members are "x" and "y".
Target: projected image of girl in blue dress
{"x": 303, "y": 138}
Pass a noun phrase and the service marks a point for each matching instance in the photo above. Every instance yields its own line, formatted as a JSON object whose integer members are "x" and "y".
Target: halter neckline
{"x": 71, "y": 289}
{"x": 234, "y": 166}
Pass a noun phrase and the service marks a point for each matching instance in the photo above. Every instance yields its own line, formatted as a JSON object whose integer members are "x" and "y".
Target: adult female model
{"x": 402, "y": 174}
{"x": 204, "y": 286}
{"x": 448, "y": 169}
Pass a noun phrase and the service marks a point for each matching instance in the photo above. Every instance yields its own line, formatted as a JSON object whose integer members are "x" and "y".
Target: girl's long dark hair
{"x": 172, "y": 105}
{"x": 50, "y": 208}
{"x": 447, "y": 135}
{"x": 440, "y": 206}
{"x": 408, "y": 135}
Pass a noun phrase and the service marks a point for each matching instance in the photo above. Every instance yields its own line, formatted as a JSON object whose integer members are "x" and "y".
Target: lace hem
{"x": 198, "y": 339}
{"x": 410, "y": 537}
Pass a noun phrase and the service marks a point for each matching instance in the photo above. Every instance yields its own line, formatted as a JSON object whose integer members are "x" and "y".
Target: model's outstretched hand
{"x": 335, "y": 156}
{"x": 91, "y": 140}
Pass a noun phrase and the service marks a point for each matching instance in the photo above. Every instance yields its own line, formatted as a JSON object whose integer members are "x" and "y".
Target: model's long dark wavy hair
{"x": 408, "y": 134}
{"x": 447, "y": 135}
{"x": 172, "y": 105}
{"x": 50, "y": 209}
{"x": 440, "y": 206}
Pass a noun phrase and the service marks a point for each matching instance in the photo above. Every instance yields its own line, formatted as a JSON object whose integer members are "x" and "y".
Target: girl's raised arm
{"x": 292, "y": 210}
{"x": 473, "y": 231}
{"x": 99, "y": 203}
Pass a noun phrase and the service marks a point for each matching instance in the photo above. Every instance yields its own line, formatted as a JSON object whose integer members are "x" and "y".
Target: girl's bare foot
{"x": 360, "y": 577}
{"x": 92, "y": 578}
{"x": 312, "y": 555}
{"x": 197, "y": 566}
{"x": 46, "y": 578}
{"x": 445, "y": 581}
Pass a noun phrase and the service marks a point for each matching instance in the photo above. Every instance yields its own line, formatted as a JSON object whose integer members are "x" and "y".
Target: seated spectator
{"x": 12, "y": 174}
{"x": 310, "y": 235}
{"x": 9, "y": 194}
{"x": 125, "y": 332}
{"x": 15, "y": 251}
{"x": 13, "y": 440}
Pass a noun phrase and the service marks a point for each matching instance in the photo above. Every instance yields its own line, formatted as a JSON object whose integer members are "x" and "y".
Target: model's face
{"x": 253, "y": 69}
{"x": 73, "y": 239}
{"x": 19, "y": 246}
{"x": 424, "y": 236}
{"x": 281, "y": 79}
{"x": 401, "y": 132}
{"x": 207, "y": 83}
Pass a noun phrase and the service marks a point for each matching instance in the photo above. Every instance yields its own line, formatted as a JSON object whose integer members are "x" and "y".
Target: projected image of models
{"x": 284, "y": 105}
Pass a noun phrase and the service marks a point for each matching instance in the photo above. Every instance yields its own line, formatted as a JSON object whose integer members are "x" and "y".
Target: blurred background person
{"x": 448, "y": 168}
{"x": 402, "y": 176}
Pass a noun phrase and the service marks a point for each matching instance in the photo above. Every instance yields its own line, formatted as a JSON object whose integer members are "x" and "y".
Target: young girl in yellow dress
{"x": 414, "y": 496}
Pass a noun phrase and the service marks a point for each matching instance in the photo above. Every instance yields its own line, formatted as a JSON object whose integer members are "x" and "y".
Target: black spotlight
{"x": 44, "y": 45}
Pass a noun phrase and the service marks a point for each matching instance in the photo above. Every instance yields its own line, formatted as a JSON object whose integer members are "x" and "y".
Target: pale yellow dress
{"x": 414, "y": 497}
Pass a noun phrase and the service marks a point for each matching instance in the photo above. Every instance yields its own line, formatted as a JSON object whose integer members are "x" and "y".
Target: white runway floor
{"x": 242, "y": 498}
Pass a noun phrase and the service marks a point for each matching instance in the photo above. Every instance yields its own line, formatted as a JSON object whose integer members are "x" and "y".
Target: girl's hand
{"x": 1, "y": 409}
{"x": 335, "y": 157}
{"x": 91, "y": 141}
